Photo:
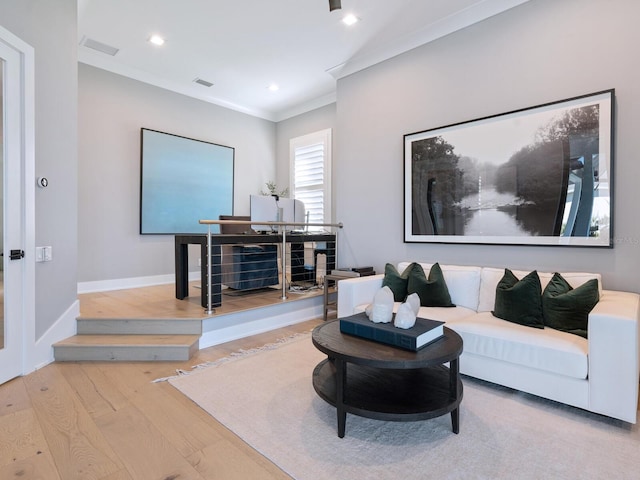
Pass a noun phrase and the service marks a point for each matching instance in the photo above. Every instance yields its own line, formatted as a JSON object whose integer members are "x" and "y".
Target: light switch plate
{"x": 44, "y": 254}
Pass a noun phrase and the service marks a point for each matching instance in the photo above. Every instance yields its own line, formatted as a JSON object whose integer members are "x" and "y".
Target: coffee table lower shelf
{"x": 390, "y": 394}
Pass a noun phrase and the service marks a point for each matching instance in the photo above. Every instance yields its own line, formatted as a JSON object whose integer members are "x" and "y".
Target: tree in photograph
{"x": 583, "y": 121}
{"x": 436, "y": 182}
{"x": 538, "y": 174}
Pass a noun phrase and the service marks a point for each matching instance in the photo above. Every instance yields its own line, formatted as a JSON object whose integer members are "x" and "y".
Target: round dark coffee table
{"x": 387, "y": 383}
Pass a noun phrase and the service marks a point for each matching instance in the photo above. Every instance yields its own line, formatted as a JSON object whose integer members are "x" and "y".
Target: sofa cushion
{"x": 519, "y": 301}
{"x": 444, "y": 314}
{"x": 433, "y": 291}
{"x": 545, "y": 349}
{"x": 397, "y": 281}
{"x": 463, "y": 283}
{"x": 489, "y": 278}
{"x": 567, "y": 309}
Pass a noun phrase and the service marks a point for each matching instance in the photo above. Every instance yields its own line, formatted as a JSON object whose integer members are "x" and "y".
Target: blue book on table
{"x": 421, "y": 334}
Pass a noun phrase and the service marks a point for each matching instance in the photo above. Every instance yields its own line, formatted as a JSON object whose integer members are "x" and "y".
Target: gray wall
{"x": 542, "y": 51}
{"x": 51, "y": 28}
{"x": 112, "y": 109}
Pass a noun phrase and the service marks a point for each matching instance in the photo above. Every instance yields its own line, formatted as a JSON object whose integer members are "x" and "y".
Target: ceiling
{"x": 243, "y": 46}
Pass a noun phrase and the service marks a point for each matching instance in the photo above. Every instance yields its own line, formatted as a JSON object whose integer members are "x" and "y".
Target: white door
{"x": 12, "y": 320}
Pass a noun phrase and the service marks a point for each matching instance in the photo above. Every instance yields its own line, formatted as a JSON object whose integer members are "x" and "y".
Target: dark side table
{"x": 374, "y": 380}
{"x": 330, "y": 299}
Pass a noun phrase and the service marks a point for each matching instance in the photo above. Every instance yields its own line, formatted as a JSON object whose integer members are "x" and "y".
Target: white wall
{"x": 112, "y": 109}
{"x": 51, "y": 29}
{"x": 542, "y": 51}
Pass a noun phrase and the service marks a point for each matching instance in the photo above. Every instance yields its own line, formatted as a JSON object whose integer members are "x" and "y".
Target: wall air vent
{"x": 99, "y": 46}
{"x": 203, "y": 82}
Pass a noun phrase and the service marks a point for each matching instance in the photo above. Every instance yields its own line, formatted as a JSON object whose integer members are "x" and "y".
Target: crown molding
{"x": 462, "y": 19}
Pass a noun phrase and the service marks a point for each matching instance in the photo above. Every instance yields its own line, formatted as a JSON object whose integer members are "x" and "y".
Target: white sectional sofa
{"x": 599, "y": 374}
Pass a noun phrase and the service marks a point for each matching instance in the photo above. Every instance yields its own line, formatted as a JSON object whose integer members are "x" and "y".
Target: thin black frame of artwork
{"x": 534, "y": 162}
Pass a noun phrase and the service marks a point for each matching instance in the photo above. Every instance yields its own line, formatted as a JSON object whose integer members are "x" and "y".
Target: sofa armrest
{"x": 356, "y": 291}
{"x": 614, "y": 355}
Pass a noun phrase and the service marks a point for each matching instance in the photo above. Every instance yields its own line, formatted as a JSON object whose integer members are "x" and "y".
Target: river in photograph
{"x": 490, "y": 213}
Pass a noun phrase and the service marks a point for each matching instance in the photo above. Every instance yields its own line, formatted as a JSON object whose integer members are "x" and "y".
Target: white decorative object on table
{"x": 414, "y": 301}
{"x": 369, "y": 310}
{"x": 382, "y": 309}
{"x": 405, "y": 317}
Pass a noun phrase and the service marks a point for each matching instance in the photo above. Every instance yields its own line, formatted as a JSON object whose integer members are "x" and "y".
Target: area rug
{"x": 267, "y": 399}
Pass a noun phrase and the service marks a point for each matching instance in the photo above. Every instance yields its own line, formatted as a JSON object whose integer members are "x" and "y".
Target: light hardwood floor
{"x": 159, "y": 302}
{"x": 108, "y": 421}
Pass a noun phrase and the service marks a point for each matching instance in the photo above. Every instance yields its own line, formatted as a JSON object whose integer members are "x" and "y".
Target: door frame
{"x": 25, "y": 335}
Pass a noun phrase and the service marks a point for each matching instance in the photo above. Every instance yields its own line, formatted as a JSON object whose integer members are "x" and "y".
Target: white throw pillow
{"x": 405, "y": 317}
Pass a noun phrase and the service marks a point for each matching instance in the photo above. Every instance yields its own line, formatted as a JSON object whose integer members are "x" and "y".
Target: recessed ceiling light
{"x": 273, "y": 87}
{"x": 350, "y": 19}
{"x": 156, "y": 40}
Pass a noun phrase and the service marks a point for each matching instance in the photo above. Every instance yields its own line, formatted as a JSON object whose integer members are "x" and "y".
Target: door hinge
{"x": 17, "y": 254}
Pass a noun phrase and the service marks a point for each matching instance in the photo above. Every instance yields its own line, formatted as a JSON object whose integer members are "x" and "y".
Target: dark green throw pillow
{"x": 433, "y": 291}
{"x": 396, "y": 281}
{"x": 519, "y": 301}
{"x": 566, "y": 308}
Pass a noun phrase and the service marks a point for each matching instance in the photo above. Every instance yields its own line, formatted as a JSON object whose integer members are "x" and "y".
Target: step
{"x": 139, "y": 326}
{"x": 131, "y": 348}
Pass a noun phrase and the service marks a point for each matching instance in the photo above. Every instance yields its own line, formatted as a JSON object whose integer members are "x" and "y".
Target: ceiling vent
{"x": 203, "y": 82}
{"x": 99, "y": 46}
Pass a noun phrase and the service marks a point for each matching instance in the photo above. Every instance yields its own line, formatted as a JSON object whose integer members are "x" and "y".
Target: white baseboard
{"x": 64, "y": 327}
{"x": 243, "y": 324}
{"x": 133, "y": 282}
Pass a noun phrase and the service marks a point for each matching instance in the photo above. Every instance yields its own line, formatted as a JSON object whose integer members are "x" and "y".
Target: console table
{"x": 296, "y": 240}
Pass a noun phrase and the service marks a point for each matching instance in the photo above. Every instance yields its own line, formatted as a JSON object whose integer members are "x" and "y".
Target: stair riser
{"x": 139, "y": 327}
{"x": 123, "y": 354}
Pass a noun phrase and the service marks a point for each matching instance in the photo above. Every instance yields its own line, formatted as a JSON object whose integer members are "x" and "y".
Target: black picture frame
{"x": 540, "y": 175}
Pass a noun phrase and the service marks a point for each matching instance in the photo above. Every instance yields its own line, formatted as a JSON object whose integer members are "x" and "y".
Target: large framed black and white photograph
{"x": 536, "y": 176}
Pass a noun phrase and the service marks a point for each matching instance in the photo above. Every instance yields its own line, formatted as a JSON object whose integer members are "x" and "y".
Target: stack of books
{"x": 353, "y": 272}
{"x": 424, "y": 332}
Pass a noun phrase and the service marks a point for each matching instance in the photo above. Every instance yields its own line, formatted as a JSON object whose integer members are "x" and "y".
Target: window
{"x": 310, "y": 168}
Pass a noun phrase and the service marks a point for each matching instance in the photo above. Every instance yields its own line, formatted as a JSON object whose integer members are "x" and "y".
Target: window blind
{"x": 309, "y": 180}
